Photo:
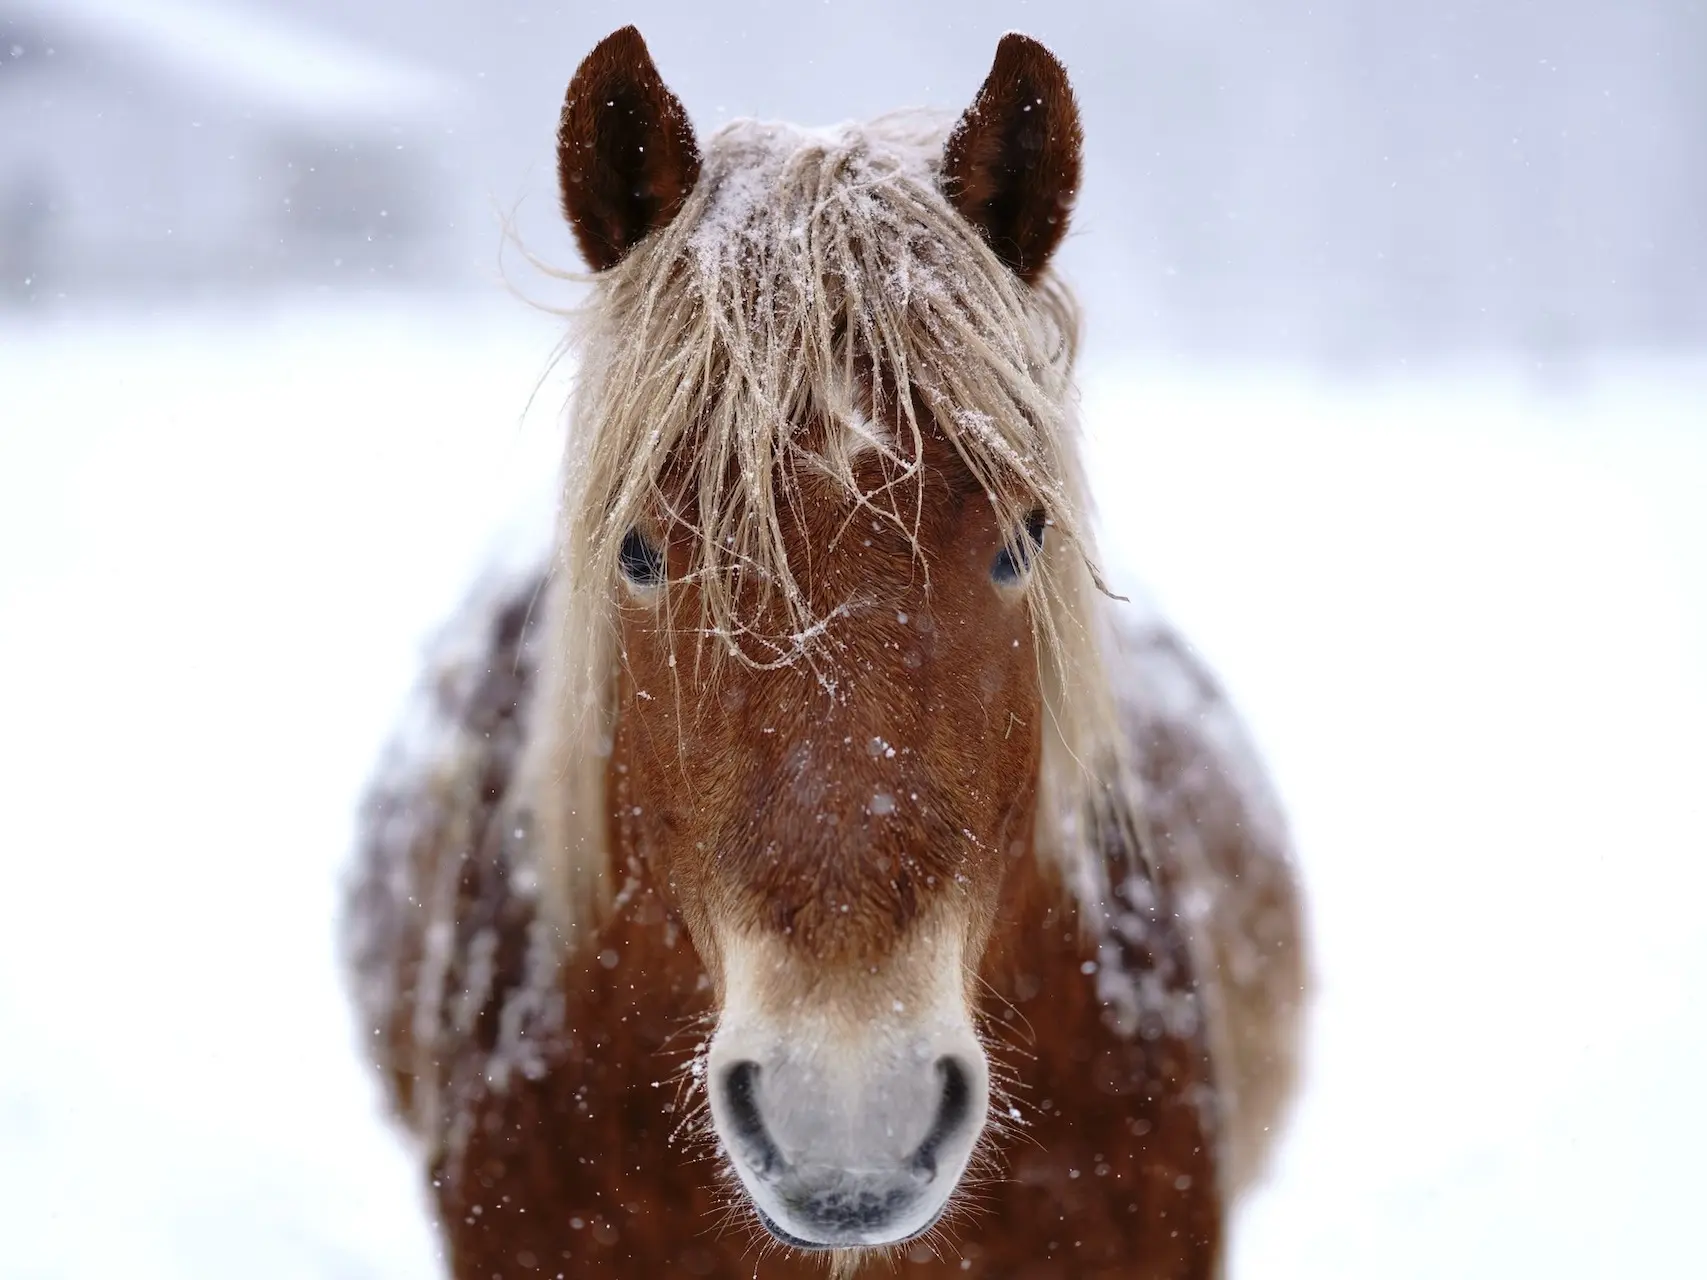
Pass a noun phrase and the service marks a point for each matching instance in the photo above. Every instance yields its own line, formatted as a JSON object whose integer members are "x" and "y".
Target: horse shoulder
{"x": 1215, "y": 833}
{"x": 1098, "y": 1019}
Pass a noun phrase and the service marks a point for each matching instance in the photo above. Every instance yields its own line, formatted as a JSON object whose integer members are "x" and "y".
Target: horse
{"x": 802, "y": 858}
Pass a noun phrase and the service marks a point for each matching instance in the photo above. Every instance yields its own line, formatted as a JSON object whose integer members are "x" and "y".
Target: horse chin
{"x": 857, "y": 1240}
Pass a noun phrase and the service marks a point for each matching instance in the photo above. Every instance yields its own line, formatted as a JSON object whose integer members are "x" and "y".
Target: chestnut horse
{"x": 807, "y": 840}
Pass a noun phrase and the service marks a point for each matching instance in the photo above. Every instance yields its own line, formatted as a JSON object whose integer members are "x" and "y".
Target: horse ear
{"x": 626, "y": 155}
{"x": 1011, "y": 166}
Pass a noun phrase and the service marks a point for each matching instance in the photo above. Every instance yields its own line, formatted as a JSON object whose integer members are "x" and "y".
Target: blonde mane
{"x": 812, "y": 275}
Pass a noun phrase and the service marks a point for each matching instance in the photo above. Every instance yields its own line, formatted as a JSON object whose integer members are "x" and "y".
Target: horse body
{"x": 803, "y": 822}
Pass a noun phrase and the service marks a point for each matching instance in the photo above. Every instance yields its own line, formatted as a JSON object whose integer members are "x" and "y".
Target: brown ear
{"x": 626, "y": 155}
{"x": 1011, "y": 165}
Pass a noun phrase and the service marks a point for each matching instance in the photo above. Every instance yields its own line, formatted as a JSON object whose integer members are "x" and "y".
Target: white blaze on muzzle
{"x": 847, "y": 1126}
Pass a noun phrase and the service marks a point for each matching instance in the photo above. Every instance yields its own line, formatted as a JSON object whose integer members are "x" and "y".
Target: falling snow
{"x": 1464, "y": 618}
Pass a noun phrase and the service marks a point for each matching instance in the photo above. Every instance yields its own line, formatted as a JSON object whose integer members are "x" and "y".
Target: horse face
{"x": 833, "y": 827}
{"x": 832, "y": 817}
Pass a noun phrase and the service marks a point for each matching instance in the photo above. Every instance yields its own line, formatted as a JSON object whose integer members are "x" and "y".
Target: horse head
{"x": 823, "y": 525}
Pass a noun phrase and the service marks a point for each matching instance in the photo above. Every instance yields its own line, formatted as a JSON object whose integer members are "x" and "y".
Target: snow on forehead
{"x": 749, "y": 167}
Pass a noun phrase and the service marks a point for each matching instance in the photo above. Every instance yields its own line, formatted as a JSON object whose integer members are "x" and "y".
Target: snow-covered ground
{"x": 1465, "y": 614}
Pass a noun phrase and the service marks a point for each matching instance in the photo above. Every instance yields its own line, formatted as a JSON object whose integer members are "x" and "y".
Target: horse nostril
{"x": 952, "y": 1111}
{"x": 747, "y": 1126}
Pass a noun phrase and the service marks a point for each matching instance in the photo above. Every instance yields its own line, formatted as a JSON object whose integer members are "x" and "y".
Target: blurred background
{"x": 1396, "y": 395}
{"x": 1333, "y": 180}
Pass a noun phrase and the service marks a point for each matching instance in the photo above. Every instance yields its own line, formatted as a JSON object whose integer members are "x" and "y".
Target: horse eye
{"x": 642, "y": 563}
{"x": 1012, "y": 563}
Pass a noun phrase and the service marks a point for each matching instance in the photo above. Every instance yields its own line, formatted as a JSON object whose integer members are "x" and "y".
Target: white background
{"x": 1464, "y": 611}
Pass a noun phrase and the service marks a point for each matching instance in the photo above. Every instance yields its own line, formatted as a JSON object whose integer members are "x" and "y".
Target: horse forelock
{"x": 814, "y": 277}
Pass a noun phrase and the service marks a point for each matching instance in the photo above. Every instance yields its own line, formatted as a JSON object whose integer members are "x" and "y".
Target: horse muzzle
{"x": 846, "y": 1141}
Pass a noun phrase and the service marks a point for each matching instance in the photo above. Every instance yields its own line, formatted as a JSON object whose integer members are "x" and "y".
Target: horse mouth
{"x": 851, "y": 1228}
{"x": 837, "y": 1209}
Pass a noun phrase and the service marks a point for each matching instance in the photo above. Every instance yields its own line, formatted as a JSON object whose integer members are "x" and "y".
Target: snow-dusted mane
{"x": 813, "y": 276}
